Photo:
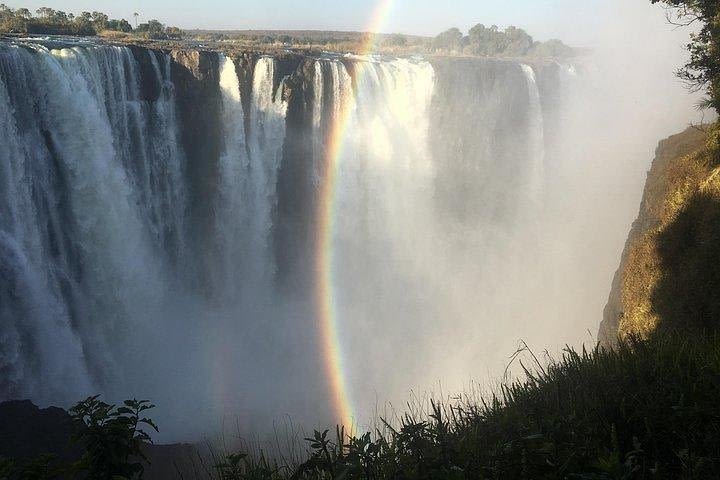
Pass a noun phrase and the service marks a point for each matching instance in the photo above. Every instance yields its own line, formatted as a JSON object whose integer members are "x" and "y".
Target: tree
{"x": 518, "y": 42}
{"x": 396, "y": 40}
{"x": 60, "y": 17}
{"x": 449, "y": 40}
{"x": 99, "y": 20}
{"x": 152, "y": 29}
{"x": 45, "y": 12}
{"x": 119, "y": 25}
{"x": 83, "y": 24}
{"x": 174, "y": 33}
{"x": 486, "y": 41}
{"x": 154, "y": 26}
{"x": 702, "y": 72}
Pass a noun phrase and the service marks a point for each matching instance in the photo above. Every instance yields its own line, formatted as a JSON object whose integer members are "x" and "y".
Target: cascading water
{"x": 233, "y": 194}
{"x": 267, "y": 127}
{"x": 536, "y": 144}
{"x": 139, "y": 258}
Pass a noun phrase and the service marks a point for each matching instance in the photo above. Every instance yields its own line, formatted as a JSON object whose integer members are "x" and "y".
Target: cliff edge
{"x": 669, "y": 273}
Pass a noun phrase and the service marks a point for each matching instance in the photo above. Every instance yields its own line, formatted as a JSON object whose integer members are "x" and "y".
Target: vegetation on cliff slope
{"x": 670, "y": 270}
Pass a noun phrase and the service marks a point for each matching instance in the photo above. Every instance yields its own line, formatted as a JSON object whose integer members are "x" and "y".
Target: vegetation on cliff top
{"x": 480, "y": 40}
{"x": 48, "y": 21}
{"x": 492, "y": 42}
{"x": 703, "y": 69}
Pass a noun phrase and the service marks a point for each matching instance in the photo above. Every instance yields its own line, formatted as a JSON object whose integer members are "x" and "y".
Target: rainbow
{"x": 329, "y": 338}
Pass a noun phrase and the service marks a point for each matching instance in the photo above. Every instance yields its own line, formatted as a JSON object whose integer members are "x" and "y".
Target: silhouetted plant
{"x": 241, "y": 466}
{"x": 112, "y": 437}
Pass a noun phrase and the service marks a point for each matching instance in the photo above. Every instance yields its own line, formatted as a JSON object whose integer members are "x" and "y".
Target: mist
{"x": 449, "y": 318}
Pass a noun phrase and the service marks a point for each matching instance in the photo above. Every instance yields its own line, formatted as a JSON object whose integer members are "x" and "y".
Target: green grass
{"x": 648, "y": 409}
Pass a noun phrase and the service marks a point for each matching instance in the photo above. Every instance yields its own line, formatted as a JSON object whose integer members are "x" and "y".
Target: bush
{"x": 112, "y": 437}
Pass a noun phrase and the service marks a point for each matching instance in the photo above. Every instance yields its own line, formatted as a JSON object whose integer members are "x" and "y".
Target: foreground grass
{"x": 646, "y": 410}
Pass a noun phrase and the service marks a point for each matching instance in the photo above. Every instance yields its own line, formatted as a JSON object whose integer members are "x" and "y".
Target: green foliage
{"x": 703, "y": 69}
{"x": 112, "y": 437}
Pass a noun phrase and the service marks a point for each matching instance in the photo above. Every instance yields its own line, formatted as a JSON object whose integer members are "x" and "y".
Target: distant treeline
{"x": 492, "y": 42}
{"x": 480, "y": 41}
{"x": 47, "y": 21}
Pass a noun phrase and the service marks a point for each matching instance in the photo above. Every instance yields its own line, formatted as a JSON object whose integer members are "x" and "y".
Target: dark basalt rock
{"x": 199, "y": 111}
{"x": 245, "y": 68}
{"x": 27, "y": 431}
{"x": 150, "y": 87}
{"x": 297, "y": 193}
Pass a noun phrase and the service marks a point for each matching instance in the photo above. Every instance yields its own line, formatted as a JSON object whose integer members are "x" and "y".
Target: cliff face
{"x": 670, "y": 269}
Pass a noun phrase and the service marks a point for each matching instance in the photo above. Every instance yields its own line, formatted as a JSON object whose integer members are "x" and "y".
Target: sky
{"x": 574, "y": 22}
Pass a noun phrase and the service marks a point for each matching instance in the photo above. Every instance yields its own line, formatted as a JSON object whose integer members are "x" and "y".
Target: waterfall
{"x": 318, "y": 128}
{"x": 267, "y": 133}
{"x": 233, "y": 195}
{"x": 383, "y": 209}
{"x": 537, "y": 135}
{"x": 40, "y": 354}
{"x": 141, "y": 258}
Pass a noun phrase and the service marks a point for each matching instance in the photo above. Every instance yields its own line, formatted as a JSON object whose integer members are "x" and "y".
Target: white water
{"x": 267, "y": 132}
{"x": 234, "y": 193}
{"x": 537, "y": 135}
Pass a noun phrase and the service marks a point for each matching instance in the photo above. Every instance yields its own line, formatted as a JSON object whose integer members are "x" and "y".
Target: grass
{"x": 647, "y": 409}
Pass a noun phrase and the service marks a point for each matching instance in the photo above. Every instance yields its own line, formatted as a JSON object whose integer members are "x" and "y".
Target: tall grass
{"x": 648, "y": 409}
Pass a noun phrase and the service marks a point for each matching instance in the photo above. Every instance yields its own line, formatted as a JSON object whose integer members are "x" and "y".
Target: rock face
{"x": 669, "y": 273}
{"x": 27, "y": 431}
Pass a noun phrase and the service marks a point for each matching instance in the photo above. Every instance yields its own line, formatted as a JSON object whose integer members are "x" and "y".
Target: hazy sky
{"x": 572, "y": 20}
